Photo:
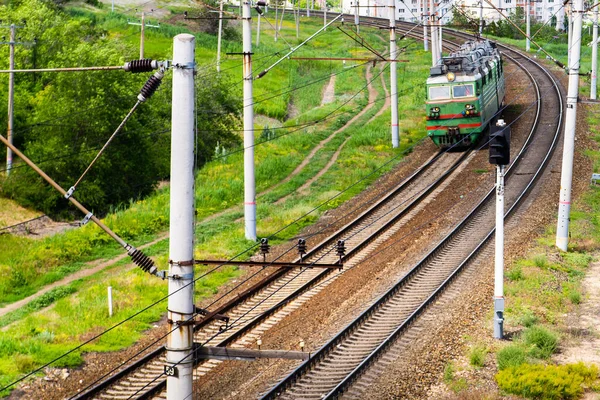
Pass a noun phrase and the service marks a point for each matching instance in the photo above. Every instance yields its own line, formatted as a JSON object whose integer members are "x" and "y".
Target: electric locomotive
{"x": 464, "y": 92}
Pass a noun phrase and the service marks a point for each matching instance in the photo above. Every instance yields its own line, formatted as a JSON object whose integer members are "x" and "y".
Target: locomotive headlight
{"x": 469, "y": 107}
{"x": 450, "y": 76}
{"x": 435, "y": 110}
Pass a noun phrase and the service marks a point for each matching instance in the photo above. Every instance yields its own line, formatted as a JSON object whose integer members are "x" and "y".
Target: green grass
{"x": 477, "y": 355}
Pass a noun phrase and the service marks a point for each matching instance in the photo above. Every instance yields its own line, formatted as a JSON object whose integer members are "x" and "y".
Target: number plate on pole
{"x": 170, "y": 370}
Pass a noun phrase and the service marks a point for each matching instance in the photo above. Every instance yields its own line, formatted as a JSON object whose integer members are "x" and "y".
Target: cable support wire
{"x": 145, "y": 93}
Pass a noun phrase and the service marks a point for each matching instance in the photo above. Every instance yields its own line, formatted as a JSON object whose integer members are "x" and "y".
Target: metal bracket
{"x": 70, "y": 192}
{"x": 86, "y": 219}
{"x": 190, "y": 65}
{"x": 182, "y": 323}
{"x": 182, "y": 263}
{"x": 180, "y": 277}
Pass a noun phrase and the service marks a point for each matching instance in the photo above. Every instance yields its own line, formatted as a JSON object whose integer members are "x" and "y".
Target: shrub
{"x": 515, "y": 273}
{"x": 575, "y": 297}
{"x": 477, "y": 355}
{"x": 544, "y": 341}
{"x": 528, "y": 319}
{"x": 511, "y": 356}
{"x": 449, "y": 373}
{"x": 546, "y": 382}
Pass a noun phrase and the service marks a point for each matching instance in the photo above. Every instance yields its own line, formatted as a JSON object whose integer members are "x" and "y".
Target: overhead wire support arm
{"x": 297, "y": 47}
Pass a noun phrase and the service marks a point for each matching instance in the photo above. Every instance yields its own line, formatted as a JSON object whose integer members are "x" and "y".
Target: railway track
{"x": 332, "y": 371}
{"x": 269, "y": 301}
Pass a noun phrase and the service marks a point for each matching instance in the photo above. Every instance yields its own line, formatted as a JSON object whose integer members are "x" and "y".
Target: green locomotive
{"x": 464, "y": 92}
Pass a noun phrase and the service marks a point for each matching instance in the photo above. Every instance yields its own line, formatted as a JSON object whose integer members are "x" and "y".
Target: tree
{"x": 71, "y": 115}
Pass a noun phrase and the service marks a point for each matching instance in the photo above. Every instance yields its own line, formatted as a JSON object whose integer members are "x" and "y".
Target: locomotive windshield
{"x": 439, "y": 92}
{"x": 462, "y": 91}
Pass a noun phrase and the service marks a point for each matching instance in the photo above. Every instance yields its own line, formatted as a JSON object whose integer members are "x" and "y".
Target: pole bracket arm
{"x": 86, "y": 219}
{"x": 189, "y": 65}
{"x": 182, "y": 263}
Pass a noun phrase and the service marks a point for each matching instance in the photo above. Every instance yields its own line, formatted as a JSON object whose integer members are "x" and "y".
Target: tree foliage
{"x": 63, "y": 119}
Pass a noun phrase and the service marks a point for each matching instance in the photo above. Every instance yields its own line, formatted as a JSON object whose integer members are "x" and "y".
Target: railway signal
{"x": 499, "y": 156}
{"x": 500, "y": 144}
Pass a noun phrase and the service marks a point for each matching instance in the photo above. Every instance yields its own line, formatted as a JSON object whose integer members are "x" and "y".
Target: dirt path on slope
{"x": 370, "y": 104}
{"x": 329, "y": 92}
{"x": 388, "y": 101}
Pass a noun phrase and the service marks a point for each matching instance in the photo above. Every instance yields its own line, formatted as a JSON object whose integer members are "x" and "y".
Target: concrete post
{"x": 425, "y": 41}
{"x": 481, "y": 18}
{"x": 11, "y": 98}
{"x": 528, "y": 27}
{"x": 594, "y": 83}
{"x": 564, "y": 205}
{"x": 179, "y": 362}
{"x": 434, "y": 43}
{"x": 142, "y": 32}
{"x": 220, "y": 36}
{"x": 356, "y": 15}
{"x": 249, "y": 182}
{"x": 393, "y": 75}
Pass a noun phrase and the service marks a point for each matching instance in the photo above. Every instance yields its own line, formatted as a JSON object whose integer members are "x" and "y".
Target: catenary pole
{"x": 440, "y": 41}
{"x": 393, "y": 75}
{"x": 356, "y": 16}
{"x": 181, "y": 230}
{"x": 434, "y": 44}
{"x": 298, "y": 20}
{"x": 325, "y": 15}
{"x": 570, "y": 35}
{"x": 11, "y": 97}
{"x": 564, "y": 205}
{"x": 221, "y": 36}
{"x": 142, "y": 36}
{"x": 258, "y": 30}
{"x": 528, "y": 28}
{"x": 276, "y": 19}
{"x": 249, "y": 183}
{"x": 425, "y": 41}
{"x": 307, "y": 9}
{"x": 594, "y": 82}
{"x": 481, "y": 18}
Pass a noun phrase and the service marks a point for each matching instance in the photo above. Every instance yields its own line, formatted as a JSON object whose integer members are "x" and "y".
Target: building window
{"x": 414, "y": 10}
{"x": 401, "y": 10}
{"x": 550, "y": 9}
{"x": 538, "y": 9}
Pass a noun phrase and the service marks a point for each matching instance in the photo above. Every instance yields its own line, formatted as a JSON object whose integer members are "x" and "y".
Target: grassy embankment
{"x": 79, "y": 309}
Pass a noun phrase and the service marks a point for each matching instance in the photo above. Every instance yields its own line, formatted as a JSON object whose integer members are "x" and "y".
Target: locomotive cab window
{"x": 439, "y": 92}
{"x": 462, "y": 91}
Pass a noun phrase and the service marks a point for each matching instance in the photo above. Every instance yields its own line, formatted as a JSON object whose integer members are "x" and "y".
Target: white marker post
{"x": 528, "y": 27}
{"x": 249, "y": 181}
{"x": 564, "y": 205}
{"x": 594, "y": 82}
{"x": 393, "y": 75}
{"x": 180, "y": 312}
{"x": 110, "y": 302}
